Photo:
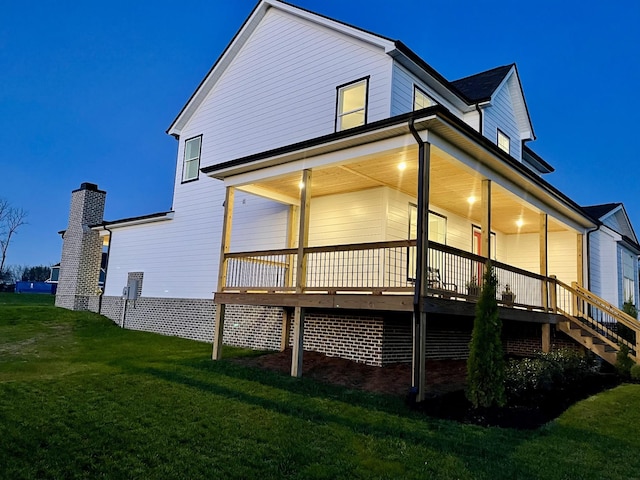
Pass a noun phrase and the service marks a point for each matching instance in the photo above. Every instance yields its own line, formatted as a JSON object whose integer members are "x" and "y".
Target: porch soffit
{"x": 370, "y": 159}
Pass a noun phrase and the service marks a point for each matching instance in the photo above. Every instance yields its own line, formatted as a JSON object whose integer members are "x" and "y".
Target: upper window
{"x": 191, "y": 168}
{"x": 421, "y": 99}
{"x": 503, "y": 141}
{"x": 352, "y": 105}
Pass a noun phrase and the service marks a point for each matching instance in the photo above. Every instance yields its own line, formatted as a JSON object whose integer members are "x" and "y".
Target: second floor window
{"x": 503, "y": 141}
{"x": 191, "y": 165}
{"x": 422, "y": 100}
{"x": 352, "y": 105}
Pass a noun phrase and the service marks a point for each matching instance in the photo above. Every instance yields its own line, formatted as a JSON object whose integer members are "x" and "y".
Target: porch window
{"x": 421, "y": 99}
{"x": 437, "y": 225}
{"x": 191, "y": 167}
{"x": 437, "y": 233}
{"x": 503, "y": 141}
{"x": 351, "y": 110}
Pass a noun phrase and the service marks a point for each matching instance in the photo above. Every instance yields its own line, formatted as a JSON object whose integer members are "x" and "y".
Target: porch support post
{"x": 544, "y": 269}
{"x": 225, "y": 243}
{"x": 422, "y": 263}
{"x": 580, "y": 260}
{"x": 286, "y": 326}
{"x": 291, "y": 241}
{"x": 486, "y": 219}
{"x": 546, "y": 337}
{"x": 301, "y": 273}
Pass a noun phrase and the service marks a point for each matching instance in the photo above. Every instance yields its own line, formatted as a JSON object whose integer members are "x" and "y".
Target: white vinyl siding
{"x": 293, "y": 66}
{"x": 500, "y": 115}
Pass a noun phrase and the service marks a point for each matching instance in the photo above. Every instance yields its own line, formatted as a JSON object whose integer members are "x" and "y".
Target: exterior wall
{"x": 603, "y": 263}
{"x": 500, "y": 115}
{"x": 562, "y": 255}
{"x": 347, "y": 218}
{"x": 81, "y": 249}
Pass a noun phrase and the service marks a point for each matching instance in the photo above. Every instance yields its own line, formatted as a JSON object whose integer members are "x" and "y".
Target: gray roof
{"x": 481, "y": 86}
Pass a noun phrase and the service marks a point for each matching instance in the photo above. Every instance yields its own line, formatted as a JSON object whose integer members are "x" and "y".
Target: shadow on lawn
{"x": 366, "y": 415}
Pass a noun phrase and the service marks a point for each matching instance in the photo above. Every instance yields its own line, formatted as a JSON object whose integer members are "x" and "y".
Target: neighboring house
{"x": 332, "y": 185}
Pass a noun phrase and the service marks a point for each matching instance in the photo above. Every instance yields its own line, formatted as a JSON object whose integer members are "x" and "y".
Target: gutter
{"x": 480, "y": 119}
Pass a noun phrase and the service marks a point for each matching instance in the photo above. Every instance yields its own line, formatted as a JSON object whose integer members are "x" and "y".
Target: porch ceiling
{"x": 452, "y": 183}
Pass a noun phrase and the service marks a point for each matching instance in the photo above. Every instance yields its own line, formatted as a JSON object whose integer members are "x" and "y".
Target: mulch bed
{"x": 445, "y": 383}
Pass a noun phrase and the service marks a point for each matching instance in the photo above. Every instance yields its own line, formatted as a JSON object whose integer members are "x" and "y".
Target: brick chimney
{"x": 81, "y": 249}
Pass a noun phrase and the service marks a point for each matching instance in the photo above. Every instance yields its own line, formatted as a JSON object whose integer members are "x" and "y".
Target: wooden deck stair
{"x": 595, "y": 323}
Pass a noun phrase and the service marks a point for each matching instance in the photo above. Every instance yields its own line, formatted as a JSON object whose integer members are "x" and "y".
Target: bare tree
{"x": 11, "y": 218}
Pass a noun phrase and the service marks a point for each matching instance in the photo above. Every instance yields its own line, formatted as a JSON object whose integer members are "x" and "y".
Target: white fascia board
{"x": 268, "y": 194}
{"x": 350, "y": 31}
{"x": 132, "y": 222}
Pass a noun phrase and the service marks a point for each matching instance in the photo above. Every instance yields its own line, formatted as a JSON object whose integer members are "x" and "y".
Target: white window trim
{"x": 365, "y": 108}
{"x": 186, "y": 161}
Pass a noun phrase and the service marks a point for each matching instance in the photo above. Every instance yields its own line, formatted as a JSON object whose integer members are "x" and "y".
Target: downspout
{"x": 419, "y": 226}
{"x": 106, "y": 268}
{"x": 480, "y": 119}
{"x": 589, "y": 254}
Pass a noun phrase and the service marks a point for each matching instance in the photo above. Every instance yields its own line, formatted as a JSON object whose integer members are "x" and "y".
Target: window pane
{"x": 191, "y": 169}
{"x": 353, "y": 97}
{"x": 503, "y": 141}
{"x": 421, "y": 100}
{"x": 351, "y": 120}
{"x": 192, "y": 149}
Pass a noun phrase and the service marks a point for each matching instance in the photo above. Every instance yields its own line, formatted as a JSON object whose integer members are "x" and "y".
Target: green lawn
{"x": 81, "y": 398}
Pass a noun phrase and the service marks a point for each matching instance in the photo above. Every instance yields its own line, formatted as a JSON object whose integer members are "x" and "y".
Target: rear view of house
{"x": 334, "y": 192}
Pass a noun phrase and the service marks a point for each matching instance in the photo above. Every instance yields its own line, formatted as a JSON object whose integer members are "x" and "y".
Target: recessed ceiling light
{"x": 402, "y": 166}
{"x": 471, "y": 200}
{"x": 301, "y": 185}
{"x": 519, "y": 223}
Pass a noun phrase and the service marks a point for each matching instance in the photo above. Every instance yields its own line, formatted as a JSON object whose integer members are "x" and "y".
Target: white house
{"x": 335, "y": 192}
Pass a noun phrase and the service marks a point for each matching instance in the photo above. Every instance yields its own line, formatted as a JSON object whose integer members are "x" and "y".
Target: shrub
{"x": 485, "y": 367}
{"x": 635, "y": 373}
{"x": 623, "y": 361}
{"x": 561, "y": 369}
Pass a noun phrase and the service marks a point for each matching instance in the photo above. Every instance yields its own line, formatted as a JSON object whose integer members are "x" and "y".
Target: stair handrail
{"x": 594, "y": 300}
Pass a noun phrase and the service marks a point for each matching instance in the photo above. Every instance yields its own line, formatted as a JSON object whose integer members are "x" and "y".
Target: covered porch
{"x": 398, "y": 219}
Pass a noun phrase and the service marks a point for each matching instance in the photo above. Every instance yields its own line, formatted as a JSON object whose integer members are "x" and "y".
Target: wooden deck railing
{"x": 378, "y": 268}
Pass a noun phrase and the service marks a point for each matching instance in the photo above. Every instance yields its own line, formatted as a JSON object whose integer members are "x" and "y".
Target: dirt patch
{"x": 442, "y": 375}
{"x": 446, "y": 380}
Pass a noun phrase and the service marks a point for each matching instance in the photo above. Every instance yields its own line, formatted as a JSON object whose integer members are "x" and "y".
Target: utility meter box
{"x": 130, "y": 292}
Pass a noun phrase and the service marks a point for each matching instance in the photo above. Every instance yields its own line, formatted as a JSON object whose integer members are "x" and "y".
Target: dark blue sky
{"x": 88, "y": 89}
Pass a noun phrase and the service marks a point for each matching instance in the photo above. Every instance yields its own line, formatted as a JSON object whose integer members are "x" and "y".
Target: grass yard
{"x": 82, "y": 398}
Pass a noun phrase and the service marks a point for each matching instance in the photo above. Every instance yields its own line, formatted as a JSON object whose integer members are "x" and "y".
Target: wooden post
{"x": 301, "y": 273}
{"x": 422, "y": 261}
{"x": 580, "y": 260}
{"x": 291, "y": 241}
{"x": 486, "y": 219}
{"x": 544, "y": 269}
{"x": 286, "y": 326}
{"x": 227, "y": 221}
{"x": 546, "y": 337}
{"x": 554, "y": 294}
{"x": 298, "y": 342}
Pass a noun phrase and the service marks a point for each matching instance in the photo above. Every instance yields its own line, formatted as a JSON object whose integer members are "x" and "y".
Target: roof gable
{"x": 614, "y": 216}
{"x": 241, "y": 38}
